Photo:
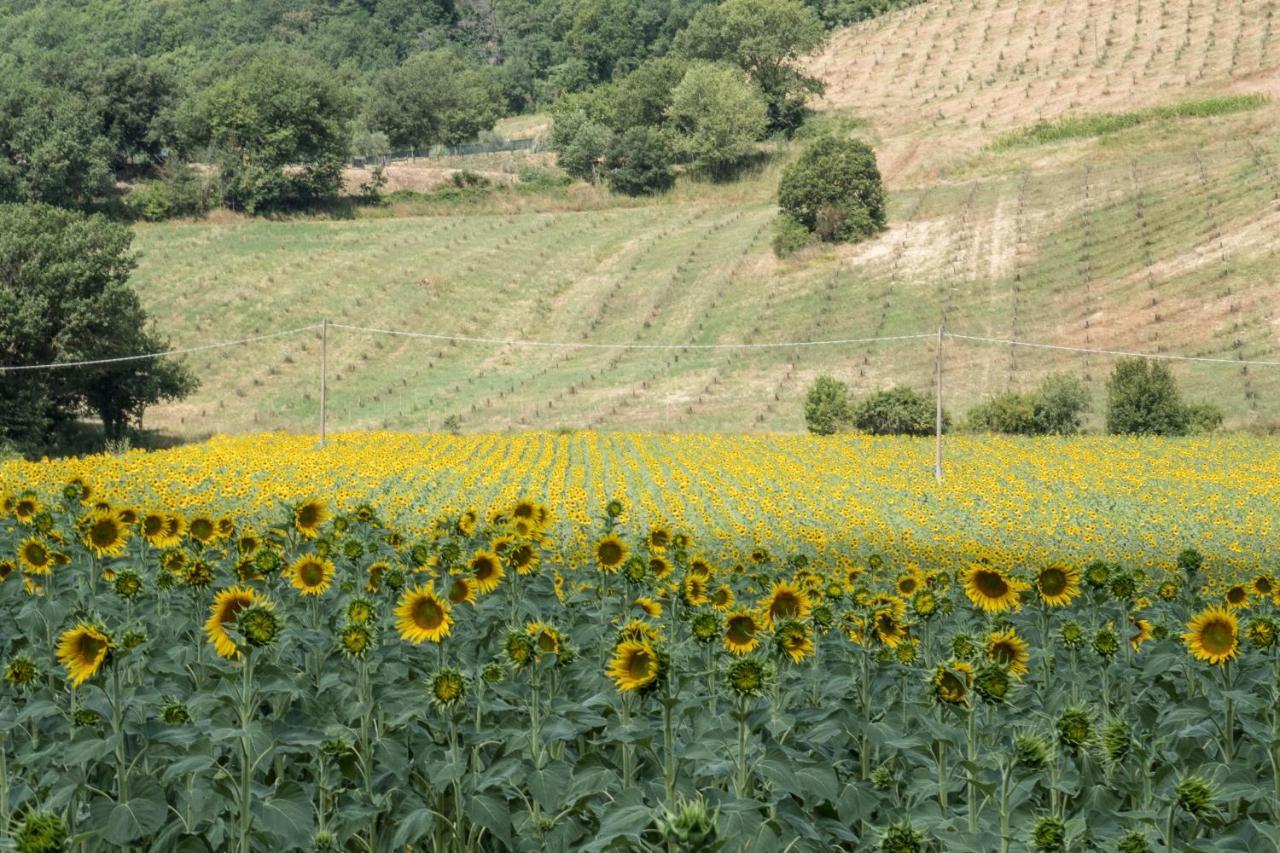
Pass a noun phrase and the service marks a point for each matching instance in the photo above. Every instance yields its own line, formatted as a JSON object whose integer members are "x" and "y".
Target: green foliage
{"x": 1143, "y": 399}
{"x": 534, "y": 177}
{"x": 766, "y": 38}
{"x": 1057, "y": 407}
{"x": 1102, "y": 124}
{"x": 434, "y": 98}
{"x": 898, "y": 411}
{"x": 644, "y": 96}
{"x": 719, "y": 114}
{"x": 639, "y": 162}
{"x": 52, "y": 148}
{"x": 826, "y": 407}
{"x": 789, "y": 236}
{"x": 64, "y": 296}
{"x": 834, "y": 190}
{"x": 1203, "y": 417}
{"x": 277, "y": 128}
{"x": 179, "y": 190}
{"x": 580, "y": 144}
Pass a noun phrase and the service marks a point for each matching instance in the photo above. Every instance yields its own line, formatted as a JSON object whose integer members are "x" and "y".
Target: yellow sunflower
{"x": 105, "y": 534}
{"x": 634, "y": 666}
{"x": 1263, "y": 585}
{"x": 423, "y": 616}
{"x": 952, "y": 682}
{"x": 1142, "y": 634}
{"x": 1213, "y": 635}
{"x": 462, "y": 590}
{"x": 153, "y": 529}
{"x": 694, "y": 590}
{"x": 310, "y": 575}
{"x": 795, "y": 640}
{"x": 1058, "y": 585}
{"x": 486, "y": 568}
{"x": 722, "y": 598}
{"x": 226, "y": 606}
{"x": 26, "y": 508}
{"x": 1010, "y": 651}
{"x": 309, "y": 517}
{"x": 611, "y": 552}
{"x": 740, "y": 630}
{"x": 888, "y": 627}
{"x": 524, "y": 558}
{"x": 659, "y": 567}
{"x": 990, "y": 589}
{"x": 785, "y": 601}
{"x": 659, "y": 536}
{"x": 35, "y": 557}
{"x": 7, "y": 567}
{"x": 545, "y": 637}
{"x": 651, "y": 607}
{"x": 203, "y": 529}
{"x": 1236, "y": 596}
{"x": 82, "y": 650}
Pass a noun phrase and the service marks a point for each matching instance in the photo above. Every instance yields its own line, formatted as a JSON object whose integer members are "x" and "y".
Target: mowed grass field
{"x": 1160, "y": 238}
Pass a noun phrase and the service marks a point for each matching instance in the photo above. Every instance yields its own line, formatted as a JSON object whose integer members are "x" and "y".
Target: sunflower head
{"x": 42, "y": 831}
{"x": 794, "y": 639}
{"x": 7, "y": 567}
{"x": 174, "y": 712}
{"x": 651, "y": 606}
{"x": 610, "y": 553}
{"x": 1213, "y": 636}
{"x": 309, "y": 517}
{"x": 35, "y": 556}
{"x": 635, "y": 666}
{"x": 21, "y": 671}
{"x": 225, "y": 612}
{"x": 1010, "y": 651}
{"x": 1261, "y": 631}
{"x": 355, "y": 640}
{"x": 1236, "y": 596}
{"x": 1105, "y": 642}
{"x": 518, "y": 648}
{"x": 447, "y": 687}
{"x": 952, "y": 682}
{"x": 311, "y": 574}
{"x": 990, "y": 589}
{"x": 1057, "y": 585}
{"x": 1072, "y": 634}
{"x": 523, "y": 557}
{"x": 105, "y": 534}
{"x": 486, "y": 569}
{"x": 740, "y": 632}
{"x": 1168, "y": 590}
{"x": 749, "y": 676}
{"x": 785, "y": 601}
{"x": 422, "y": 616}
{"x": 359, "y": 611}
{"x": 127, "y": 584}
{"x": 259, "y": 624}
{"x": 706, "y": 627}
{"x": 202, "y": 529}
{"x": 462, "y": 590}
{"x": 83, "y": 650}
{"x": 1032, "y": 751}
{"x": 659, "y": 536}
{"x": 1195, "y": 795}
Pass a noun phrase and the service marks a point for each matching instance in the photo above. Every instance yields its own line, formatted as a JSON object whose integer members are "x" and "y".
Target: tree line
{"x": 1143, "y": 398}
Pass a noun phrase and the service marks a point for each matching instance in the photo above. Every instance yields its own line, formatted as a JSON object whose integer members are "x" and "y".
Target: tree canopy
{"x": 65, "y": 296}
{"x": 434, "y": 98}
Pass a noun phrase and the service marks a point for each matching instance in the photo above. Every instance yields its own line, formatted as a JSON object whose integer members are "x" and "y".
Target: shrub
{"x": 834, "y": 190}
{"x": 539, "y": 178}
{"x": 719, "y": 114}
{"x": 1055, "y": 408}
{"x": 1143, "y": 399}
{"x": 1203, "y": 417}
{"x": 179, "y": 191}
{"x": 580, "y": 144}
{"x": 789, "y": 236}
{"x": 898, "y": 411}
{"x": 826, "y": 406}
{"x": 1008, "y": 413}
{"x": 639, "y": 162}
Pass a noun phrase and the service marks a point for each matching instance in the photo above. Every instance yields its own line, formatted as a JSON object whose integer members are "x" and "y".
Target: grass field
{"x": 1156, "y": 237}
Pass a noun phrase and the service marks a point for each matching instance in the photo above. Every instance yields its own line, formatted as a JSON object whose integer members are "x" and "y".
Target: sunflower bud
{"x": 882, "y": 777}
{"x": 356, "y": 640}
{"x": 1105, "y": 642}
{"x": 21, "y": 671}
{"x": 1075, "y": 727}
{"x": 749, "y": 676}
{"x": 1117, "y": 740}
{"x": 1049, "y": 834}
{"x": 447, "y": 688}
{"x": 706, "y": 627}
{"x": 993, "y": 682}
{"x": 1031, "y": 751}
{"x": 1133, "y": 841}
{"x": 259, "y": 624}
{"x": 1261, "y": 632}
{"x": 492, "y": 673}
{"x": 691, "y": 826}
{"x": 901, "y": 838}
{"x": 174, "y": 713}
{"x": 1072, "y": 635}
{"x": 1195, "y": 796}
{"x": 41, "y": 832}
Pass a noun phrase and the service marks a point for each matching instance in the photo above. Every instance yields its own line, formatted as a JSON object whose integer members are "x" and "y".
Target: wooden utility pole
{"x": 324, "y": 370}
{"x": 937, "y": 389}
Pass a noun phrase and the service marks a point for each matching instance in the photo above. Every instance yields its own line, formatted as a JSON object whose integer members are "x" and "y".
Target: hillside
{"x": 1159, "y": 238}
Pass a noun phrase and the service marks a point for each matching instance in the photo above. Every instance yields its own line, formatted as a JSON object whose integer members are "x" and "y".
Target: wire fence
{"x": 303, "y": 401}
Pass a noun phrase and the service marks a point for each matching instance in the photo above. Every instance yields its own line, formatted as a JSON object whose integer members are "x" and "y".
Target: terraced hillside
{"x": 1158, "y": 238}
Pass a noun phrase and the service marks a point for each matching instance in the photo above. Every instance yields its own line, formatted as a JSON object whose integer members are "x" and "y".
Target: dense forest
{"x": 272, "y": 96}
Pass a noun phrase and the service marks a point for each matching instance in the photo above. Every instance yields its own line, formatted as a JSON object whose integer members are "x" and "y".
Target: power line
{"x": 520, "y": 342}
{"x": 58, "y": 365}
{"x": 1152, "y": 355}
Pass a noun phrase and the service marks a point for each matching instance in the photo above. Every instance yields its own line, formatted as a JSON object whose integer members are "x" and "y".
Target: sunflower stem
{"x": 1229, "y": 732}
{"x": 741, "y": 779}
{"x": 971, "y": 737}
{"x": 4, "y": 784}
{"x": 246, "y": 751}
{"x": 628, "y": 748}
{"x": 1005, "y": 770}
{"x": 669, "y": 766}
{"x": 117, "y": 731}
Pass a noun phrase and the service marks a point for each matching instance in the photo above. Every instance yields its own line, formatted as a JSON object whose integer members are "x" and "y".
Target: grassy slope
{"x": 1156, "y": 238}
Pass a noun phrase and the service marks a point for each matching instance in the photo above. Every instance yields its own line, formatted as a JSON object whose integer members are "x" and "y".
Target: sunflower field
{"x": 201, "y": 655}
